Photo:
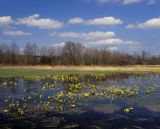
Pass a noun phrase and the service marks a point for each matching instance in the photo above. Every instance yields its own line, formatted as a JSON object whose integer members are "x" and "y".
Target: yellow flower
{"x": 5, "y": 111}
{"x": 128, "y": 110}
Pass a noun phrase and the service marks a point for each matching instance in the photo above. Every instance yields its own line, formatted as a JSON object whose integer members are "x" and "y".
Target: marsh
{"x": 81, "y": 101}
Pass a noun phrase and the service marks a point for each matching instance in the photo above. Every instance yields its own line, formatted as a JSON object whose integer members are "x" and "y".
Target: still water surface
{"x": 52, "y": 103}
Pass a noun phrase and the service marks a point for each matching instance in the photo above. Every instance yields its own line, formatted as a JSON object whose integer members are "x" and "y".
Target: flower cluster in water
{"x": 62, "y": 93}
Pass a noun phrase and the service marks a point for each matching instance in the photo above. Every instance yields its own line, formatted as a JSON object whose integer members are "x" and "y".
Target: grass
{"x": 19, "y": 71}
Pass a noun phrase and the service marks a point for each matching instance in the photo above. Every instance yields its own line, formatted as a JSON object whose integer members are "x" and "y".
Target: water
{"x": 80, "y": 102}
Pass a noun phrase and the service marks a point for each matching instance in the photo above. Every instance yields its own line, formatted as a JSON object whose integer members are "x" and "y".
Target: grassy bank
{"x": 18, "y": 71}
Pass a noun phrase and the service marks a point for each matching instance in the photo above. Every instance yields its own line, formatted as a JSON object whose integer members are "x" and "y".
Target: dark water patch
{"x": 86, "y": 120}
{"x": 80, "y": 102}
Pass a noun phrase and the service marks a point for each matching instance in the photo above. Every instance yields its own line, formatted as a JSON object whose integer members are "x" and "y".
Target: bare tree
{"x": 14, "y": 50}
{"x": 28, "y": 52}
{"x": 72, "y": 53}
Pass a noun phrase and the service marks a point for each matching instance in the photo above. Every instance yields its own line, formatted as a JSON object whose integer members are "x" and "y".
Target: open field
{"x": 18, "y": 71}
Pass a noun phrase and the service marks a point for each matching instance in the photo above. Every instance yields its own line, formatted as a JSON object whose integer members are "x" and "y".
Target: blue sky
{"x": 124, "y": 25}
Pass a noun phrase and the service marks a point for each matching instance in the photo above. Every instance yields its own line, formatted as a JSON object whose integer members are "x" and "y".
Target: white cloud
{"x": 104, "y": 21}
{"x": 150, "y": 2}
{"x": 90, "y": 35}
{"x": 96, "y": 21}
{"x": 149, "y": 24}
{"x": 114, "y": 41}
{"x": 36, "y": 21}
{"x": 105, "y": 1}
{"x": 98, "y": 35}
{"x": 16, "y": 33}
{"x": 59, "y": 44}
{"x": 152, "y": 23}
{"x": 70, "y": 35}
{"x": 113, "y": 48}
{"x": 76, "y": 20}
{"x": 131, "y": 26}
{"x": 97, "y": 38}
{"x": 5, "y": 20}
{"x": 125, "y": 2}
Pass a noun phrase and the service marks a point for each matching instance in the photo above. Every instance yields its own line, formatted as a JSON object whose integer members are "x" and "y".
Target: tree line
{"x": 71, "y": 53}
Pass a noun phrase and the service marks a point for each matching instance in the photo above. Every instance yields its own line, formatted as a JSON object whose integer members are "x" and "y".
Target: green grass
{"x": 19, "y": 72}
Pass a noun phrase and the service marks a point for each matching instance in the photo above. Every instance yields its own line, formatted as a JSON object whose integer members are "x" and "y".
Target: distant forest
{"x": 70, "y": 54}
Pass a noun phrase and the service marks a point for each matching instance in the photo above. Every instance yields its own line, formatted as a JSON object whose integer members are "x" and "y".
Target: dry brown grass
{"x": 135, "y": 68}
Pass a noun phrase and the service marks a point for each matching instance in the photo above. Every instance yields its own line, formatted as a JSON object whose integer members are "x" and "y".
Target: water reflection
{"x": 151, "y": 103}
{"x": 105, "y": 108}
{"x": 80, "y": 102}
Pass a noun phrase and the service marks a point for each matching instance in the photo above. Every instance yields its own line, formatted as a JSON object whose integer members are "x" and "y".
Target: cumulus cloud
{"x": 96, "y": 21}
{"x": 97, "y": 38}
{"x": 103, "y": 1}
{"x": 15, "y": 33}
{"x": 104, "y": 21}
{"x": 114, "y": 48}
{"x": 59, "y": 44}
{"x": 98, "y": 35}
{"x": 114, "y": 41}
{"x": 150, "y": 2}
{"x": 125, "y": 2}
{"x": 5, "y": 20}
{"x": 149, "y": 24}
{"x": 70, "y": 35}
{"x": 42, "y": 23}
{"x": 108, "y": 1}
{"x": 131, "y": 26}
{"x": 76, "y": 20}
{"x": 90, "y": 35}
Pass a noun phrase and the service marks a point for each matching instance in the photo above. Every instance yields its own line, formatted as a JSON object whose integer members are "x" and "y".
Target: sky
{"x": 119, "y": 25}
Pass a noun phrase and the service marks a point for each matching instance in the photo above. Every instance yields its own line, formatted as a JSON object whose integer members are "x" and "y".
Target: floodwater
{"x": 81, "y": 102}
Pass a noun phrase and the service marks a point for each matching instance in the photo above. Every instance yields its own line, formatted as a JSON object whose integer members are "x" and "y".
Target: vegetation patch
{"x": 19, "y": 71}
